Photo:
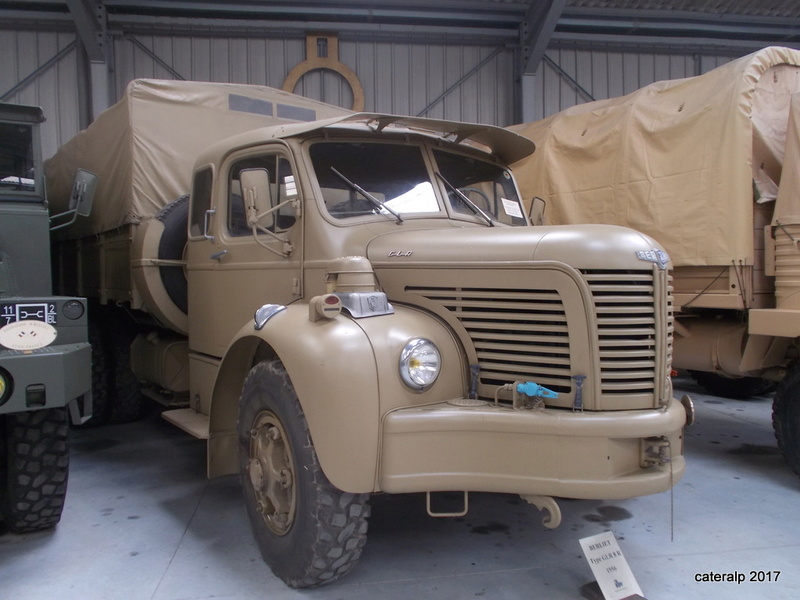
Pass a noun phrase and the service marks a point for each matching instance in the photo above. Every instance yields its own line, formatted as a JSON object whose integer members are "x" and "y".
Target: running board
{"x": 191, "y": 421}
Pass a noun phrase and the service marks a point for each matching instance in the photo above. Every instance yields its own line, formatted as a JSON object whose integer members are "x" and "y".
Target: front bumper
{"x": 49, "y": 377}
{"x": 481, "y": 447}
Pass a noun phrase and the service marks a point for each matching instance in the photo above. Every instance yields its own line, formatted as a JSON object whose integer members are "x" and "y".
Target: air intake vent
{"x": 519, "y": 334}
{"x": 628, "y": 337}
{"x": 523, "y": 335}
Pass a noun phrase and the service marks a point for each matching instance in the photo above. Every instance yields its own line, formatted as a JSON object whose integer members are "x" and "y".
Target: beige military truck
{"x": 347, "y": 304}
{"x": 710, "y": 167}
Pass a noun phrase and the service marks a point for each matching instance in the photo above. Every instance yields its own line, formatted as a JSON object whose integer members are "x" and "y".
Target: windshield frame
{"x": 426, "y": 146}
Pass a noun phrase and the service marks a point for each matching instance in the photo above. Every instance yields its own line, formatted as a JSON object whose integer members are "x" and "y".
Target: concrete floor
{"x": 142, "y": 522}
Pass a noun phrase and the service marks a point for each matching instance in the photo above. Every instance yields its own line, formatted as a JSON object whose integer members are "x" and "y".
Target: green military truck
{"x": 710, "y": 167}
{"x": 346, "y": 304}
{"x": 45, "y": 356}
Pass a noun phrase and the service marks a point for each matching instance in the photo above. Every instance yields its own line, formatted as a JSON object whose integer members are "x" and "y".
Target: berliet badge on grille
{"x": 656, "y": 256}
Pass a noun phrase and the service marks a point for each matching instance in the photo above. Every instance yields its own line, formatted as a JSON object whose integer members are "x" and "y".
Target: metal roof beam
{"x": 647, "y": 43}
{"x": 345, "y": 30}
{"x": 656, "y": 23}
{"x": 417, "y": 12}
{"x": 90, "y": 27}
{"x": 537, "y": 28}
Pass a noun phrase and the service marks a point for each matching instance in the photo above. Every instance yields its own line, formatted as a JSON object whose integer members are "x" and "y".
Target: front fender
{"x": 332, "y": 368}
{"x": 345, "y": 374}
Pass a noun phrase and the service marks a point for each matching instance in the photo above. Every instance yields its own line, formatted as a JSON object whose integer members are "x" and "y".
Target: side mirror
{"x": 256, "y": 190}
{"x": 80, "y": 199}
{"x": 536, "y": 215}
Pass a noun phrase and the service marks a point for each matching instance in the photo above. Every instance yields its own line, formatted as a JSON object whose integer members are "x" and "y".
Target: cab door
{"x": 245, "y": 246}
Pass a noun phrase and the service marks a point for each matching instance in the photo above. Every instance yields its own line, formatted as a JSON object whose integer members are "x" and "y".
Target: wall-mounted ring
{"x": 322, "y": 52}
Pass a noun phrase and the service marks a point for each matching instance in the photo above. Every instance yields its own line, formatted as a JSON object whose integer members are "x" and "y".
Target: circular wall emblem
{"x": 27, "y": 335}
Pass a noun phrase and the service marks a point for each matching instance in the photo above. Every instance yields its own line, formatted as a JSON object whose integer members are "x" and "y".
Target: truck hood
{"x": 580, "y": 246}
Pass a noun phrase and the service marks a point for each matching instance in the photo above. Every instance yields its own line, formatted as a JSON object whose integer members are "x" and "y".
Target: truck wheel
{"x": 308, "y": 532}
{"x": 128, "y": 402}
{"x": 34, "y": 464}
{"x": 175, "y": 217}
{"x": 100, "y": 375}
{"x": 735, "y": 388}
{"x": 786, "y": 419}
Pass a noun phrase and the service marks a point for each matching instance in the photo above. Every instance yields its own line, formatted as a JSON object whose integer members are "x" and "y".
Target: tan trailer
{"x": 710, "y": 167}
{"x": 349, "y": 304}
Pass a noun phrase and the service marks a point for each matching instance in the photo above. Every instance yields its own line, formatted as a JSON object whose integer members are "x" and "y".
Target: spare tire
{"x": 175, "y": 217}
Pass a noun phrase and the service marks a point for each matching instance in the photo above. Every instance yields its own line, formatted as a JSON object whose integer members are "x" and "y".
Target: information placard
{"x": 609, "y": 566}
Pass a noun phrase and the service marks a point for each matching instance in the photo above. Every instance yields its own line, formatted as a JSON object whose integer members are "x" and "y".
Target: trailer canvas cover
{"x": 144, "y": 147}
{"x": 678, "y": 160}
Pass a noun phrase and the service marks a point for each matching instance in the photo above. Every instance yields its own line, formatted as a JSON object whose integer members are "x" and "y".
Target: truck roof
{"x": 504, "y": 144}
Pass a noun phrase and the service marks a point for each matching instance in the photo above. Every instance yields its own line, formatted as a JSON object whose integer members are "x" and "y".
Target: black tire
{"x": 34, "y": 468}
{"x": 127, "y": 403}
{"x": 786, "y": 419}
{"x": 735, "y": 388}
{"x": 116, "y": 392}
{"x": 100, "y": 370}
{"x": 175, "y": 217}
{"x": 308, "y": 532}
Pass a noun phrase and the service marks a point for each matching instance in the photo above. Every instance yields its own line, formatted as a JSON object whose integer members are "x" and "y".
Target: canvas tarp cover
{"x": 678, "y": 160}
{"x": 144, "y": 147}
{"x": 788, "y": 203}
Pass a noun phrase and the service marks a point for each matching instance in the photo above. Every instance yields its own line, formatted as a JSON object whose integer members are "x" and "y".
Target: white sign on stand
{"x": 609, "y": 566}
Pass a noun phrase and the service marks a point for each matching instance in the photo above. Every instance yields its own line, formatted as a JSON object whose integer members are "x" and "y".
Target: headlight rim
{"x": 405, "y": 368}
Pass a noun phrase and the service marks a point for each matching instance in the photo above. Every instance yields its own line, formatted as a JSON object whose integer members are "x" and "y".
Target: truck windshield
{"x": 394, "y": 175}
{"x": 16, "y": 158}
{"x": 487, "y": 186}
{"x": 379, "y": 178}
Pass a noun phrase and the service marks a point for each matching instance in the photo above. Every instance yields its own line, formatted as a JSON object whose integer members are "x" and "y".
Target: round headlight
{"x": 6, "y": 386}
{"x": 420, "y": 364}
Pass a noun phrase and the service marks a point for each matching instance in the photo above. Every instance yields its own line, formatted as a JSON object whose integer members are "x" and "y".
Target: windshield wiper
{"x": 372, "y": 199}
{"x": 466, "y": 200}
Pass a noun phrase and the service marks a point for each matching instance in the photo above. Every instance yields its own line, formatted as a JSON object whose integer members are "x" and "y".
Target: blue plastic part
{"x": 529, "y": 388}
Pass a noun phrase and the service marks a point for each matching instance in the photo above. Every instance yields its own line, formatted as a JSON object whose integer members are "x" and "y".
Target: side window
{"x": 283, "y": 189}
{"x": 201, "y": 201}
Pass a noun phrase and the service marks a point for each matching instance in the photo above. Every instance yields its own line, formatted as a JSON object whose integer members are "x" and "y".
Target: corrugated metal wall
{"x": 568, "y": 77}
{"x": 55, "y": 89}
{"x": 467, "y": 83}
{"x": 396, "y": 77}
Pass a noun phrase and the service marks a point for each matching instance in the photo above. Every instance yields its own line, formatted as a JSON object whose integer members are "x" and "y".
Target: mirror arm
{"x": 73, "y": 212}
{"x": 288, "y": 248}
{"x": 253, "y": 218}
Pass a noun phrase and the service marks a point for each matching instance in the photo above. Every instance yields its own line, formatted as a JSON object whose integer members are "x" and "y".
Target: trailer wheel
{"x": 735, "y": 388}
{"x": 786, "y": 419}
{"x": 175, "y": 217}
{"x": 34, "y": 465}
{"x": 308, "y": 532}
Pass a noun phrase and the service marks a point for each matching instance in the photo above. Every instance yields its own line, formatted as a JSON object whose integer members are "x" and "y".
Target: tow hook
{"x": 656, "y": 451}
{"x": 553, "y": 517}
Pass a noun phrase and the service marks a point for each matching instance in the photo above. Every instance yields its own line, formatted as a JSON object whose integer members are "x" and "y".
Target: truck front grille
{"x": 522, "y": 334}
{"x": 518, "y": 334}
{"x": 628, "y": 336}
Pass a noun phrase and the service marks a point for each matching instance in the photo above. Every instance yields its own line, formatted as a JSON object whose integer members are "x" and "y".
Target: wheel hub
{"x": 271, "y": 472}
